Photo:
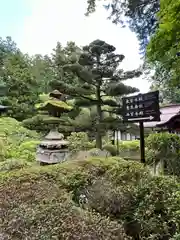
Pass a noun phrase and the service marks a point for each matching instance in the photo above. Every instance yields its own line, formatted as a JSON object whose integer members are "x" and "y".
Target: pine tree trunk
{"x": 99, "y": 120}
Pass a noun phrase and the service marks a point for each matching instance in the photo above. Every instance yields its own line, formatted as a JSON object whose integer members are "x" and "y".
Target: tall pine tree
{"x": 100, "y": 81}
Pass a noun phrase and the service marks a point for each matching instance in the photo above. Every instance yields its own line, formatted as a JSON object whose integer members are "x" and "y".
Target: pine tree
{"x": 22, "y": 86}
{"x": 99, "y": 81}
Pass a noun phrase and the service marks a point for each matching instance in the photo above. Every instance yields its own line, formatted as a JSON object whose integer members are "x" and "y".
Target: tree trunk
{"x": 99, "y": 120}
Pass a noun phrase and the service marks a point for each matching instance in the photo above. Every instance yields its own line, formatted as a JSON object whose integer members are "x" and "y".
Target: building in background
{"x": 170, "y": 122}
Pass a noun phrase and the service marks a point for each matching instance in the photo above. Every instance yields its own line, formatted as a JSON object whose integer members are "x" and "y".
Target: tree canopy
{"x": 99, "y": 81}
{"x": 139, "y": 15}
{"x": 164, "y": 47}
{"x": 89, "y": 77}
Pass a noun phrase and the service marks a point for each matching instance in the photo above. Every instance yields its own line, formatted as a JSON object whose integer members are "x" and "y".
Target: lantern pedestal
{"x": 53, "y": 149}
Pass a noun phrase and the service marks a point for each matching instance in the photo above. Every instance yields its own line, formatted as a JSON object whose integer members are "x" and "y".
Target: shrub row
{"x": 122, "y": 201}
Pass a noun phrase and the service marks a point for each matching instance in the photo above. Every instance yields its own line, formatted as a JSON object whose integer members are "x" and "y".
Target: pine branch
{"x": 120, "y": 89}
{"x": 128, "y": 75}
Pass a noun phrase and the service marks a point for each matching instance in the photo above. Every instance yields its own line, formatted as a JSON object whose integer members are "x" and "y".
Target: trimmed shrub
{"x": 17, "y": 141}
{"x": 164, "y": 148}
{"x": 13, "y": 164}
{"x": 156, "y": 207}
{"x": 26, "y": 151}
{"x": 12, "y": 132}
{"x": 2, "y": 150}
{"x": 130, "y": 149}
{"x": 109, "y": 200}
{"x": 96, "y": 152}
{"x": 120, "y": 197}
{"x": 176, "y": 237}
{"x": 133, "y": 145}
{"x": 79, "y": 142}
{"x": 111, "y": 149}
{"x": 36, "y": 205}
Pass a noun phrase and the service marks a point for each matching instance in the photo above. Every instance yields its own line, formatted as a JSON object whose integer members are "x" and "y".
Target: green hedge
{"x": 17, "y": 142}
{"x": 112, "y": 149}
{"x": 123, "y": 197}
{"x": 133, "y": 145}
{"x": 26, "y": 151}
{"x": 164, "y": 148}
{"x": 79, "y": 142}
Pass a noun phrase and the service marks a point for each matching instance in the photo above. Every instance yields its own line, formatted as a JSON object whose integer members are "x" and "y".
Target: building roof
{"x": 167, "y": 112}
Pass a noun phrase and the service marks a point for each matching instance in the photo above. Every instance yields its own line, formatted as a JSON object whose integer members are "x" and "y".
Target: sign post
{"x": 142, "y": 142}
{"x": 141, "y": 108}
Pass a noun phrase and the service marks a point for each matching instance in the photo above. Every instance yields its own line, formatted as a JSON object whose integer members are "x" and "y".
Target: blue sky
{"x": 12, "y": 15}
{"x": 37, "y": 25}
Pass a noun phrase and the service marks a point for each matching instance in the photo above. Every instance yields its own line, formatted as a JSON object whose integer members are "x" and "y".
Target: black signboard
{"x": 142, "y": 107}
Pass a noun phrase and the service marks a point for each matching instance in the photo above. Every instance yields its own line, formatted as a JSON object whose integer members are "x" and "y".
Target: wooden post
{"x": 117, "y": 143}
{"x": 142, "y": 143}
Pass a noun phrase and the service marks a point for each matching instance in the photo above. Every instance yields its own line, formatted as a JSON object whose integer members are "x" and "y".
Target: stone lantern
{"x": 53, "y": 149}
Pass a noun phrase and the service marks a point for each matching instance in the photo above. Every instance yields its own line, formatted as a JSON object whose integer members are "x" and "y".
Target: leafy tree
{"x": 99, "y": 81}
{"x": 168, "y": 94}
{"x": 62, "y": 56}
{"x": 139, "y": 15}
{"x": 21, "y": 85}
{"x": 7, "y": 46}
{"x": 43, "y": 72}
{"x": 164, "y": 47}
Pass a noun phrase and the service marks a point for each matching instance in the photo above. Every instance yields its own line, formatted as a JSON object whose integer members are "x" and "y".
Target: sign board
{"x": 142, "y": 107}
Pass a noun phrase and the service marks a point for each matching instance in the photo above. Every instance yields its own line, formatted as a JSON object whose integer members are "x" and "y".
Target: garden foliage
{"x": 164, "y": 148}
{"x": 123, "y": 200}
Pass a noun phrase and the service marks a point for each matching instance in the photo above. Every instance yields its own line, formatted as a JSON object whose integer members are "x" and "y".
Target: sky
{"x": 37, "y": 25}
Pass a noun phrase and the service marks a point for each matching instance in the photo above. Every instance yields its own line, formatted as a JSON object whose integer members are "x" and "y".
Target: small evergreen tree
{"x": 100, "y": 81}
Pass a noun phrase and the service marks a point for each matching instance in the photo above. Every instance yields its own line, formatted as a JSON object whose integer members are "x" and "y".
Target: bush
{"x": 111, "y": 149}
{"x": 17, "y": 141}
{"x": 109, "y": 200}
{"x": 176, "y": 237}
{"x": 79, "y": 141}
{"x": 133, "y": 145}
{"x": 130, "y": 149}
{"x": 157, "y": 207}
{"x": 2, "y": 151}
{"x": 13, "y": 164}
{"x": 164, "y": 148}
{"x": 36, "y": 205}
{"x": 12, "y": 132}
{"x": 26, "y": 151}
{"x": 96, "y": 152}
{"x": 121, "y": 196}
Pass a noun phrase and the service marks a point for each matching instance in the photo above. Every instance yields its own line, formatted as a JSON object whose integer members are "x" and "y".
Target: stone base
{"x": 51, "y": 156}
